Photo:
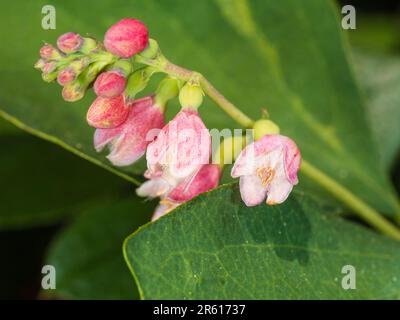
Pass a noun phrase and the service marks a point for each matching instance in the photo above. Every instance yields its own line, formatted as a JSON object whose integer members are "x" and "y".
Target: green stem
{"x": 369, "y": 214}
{"x": 362, "y": 209}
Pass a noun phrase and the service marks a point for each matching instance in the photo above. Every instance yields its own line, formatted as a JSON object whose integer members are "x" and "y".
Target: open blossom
{"x": 128, "y": 142}
{"x": 267, "y": 169}
{"x": 178, "y": 153}
{"x": 205, "y": 180}
{"x": 126, "y": 38}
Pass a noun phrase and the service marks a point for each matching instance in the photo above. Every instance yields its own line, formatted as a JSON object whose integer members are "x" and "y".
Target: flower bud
{"x": 151, "y": 51}
{"x": 191, "y": 96}
{"x": 138, "y": 81}
{"x": 167, "y": 90}
{"x": 49, "y": 71}
{"x": 69, "y": 42}
{"x": 263, "y": 127}
{"x": 66, "y": 76}
{"x": 109, "y": 84}
{"x": 126, "y": 38}
{"x": 39, "y": 64}
{"x": 124, "y": 67}
{"x": 88, "y": 45}
{"x": 48, "y": 52}
{"x": 49, "y": 67}
{"x": 73, "y": 91}
{"x": 107, "y": 113}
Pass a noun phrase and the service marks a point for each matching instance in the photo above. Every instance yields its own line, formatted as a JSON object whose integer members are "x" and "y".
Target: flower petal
{"x": 279, "y": 190}
{"x": 104, "y": 136}
{"x": 206, "y": 179}
{"x": 252, "y": 190}
{"x": 153, "y": 188}
{"x": 163, "y": 208}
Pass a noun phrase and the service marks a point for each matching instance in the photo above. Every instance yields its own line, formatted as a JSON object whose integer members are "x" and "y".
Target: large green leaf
{"x": 42, "y": 184}
{"x": 288, "y": 57}
{"x": 379, "y": 76}
{"x": 215, "y": 247}
{"x": 87, "y": 254}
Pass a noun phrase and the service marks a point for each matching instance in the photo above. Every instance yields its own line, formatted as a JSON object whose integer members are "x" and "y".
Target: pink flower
{"x": 69, "y": 42}
{"x": 267, "y": 169}
{"x": 126, "y": 38}
{"x": 178, "y": 153}
{"x": 128, "y": 142}
{"x": 109, "y": 84}
{"x": 106, "y": 113}
{"x": 206, "y": 179}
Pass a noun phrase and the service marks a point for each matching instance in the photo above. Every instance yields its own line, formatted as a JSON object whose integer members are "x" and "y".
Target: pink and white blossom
{"x": 128, "y": 142}
{"x": 267, "y": 169}
{"x": 181, "y": 148}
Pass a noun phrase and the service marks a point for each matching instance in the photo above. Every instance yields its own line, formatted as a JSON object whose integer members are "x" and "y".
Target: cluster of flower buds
{"x": 178, "y": 152}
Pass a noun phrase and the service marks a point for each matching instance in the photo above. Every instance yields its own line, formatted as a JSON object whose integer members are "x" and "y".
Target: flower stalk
{"x": 360, "y": 208}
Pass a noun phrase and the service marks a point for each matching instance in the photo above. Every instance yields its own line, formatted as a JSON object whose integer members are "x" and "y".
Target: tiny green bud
{"x": 124, "y": 67}
{"x": 88, "y": 45}
{"x": 167, "y": 90}
{"x": 263, "y": 127}
{"x": 191, "y": 95}
{"x": 152, "y": 50}
{"x": 138, "y": 81}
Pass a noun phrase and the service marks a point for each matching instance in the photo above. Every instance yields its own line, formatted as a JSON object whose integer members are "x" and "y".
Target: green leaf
{"x": 42, "y": 184}
{"x": 379, "y": 76}
{"x": 215, "y": 247}
{"x": 288, "y": 57}
{"x": 376, "y": 32}
{"x": 87, "y": 254}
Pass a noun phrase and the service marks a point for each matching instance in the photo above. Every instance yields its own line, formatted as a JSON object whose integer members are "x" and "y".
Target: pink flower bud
{"x": 107, "y": 112}
{"x": 49, "y": 67}
{"x": 73, "y": 91}
{"x": 48, "y": 52}
{"x": 69, "y": 42}
{"x": 128, "y": 142}
{"x": 109, "y": 84}
{"x": 66, "y": 76}
{"x": 126, "y": 38}
{"x": 267, "y": 169}
{"x": 180, "y": 150}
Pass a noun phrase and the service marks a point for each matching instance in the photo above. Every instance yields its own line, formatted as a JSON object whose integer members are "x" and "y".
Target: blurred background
{"x": 34, "y": 167}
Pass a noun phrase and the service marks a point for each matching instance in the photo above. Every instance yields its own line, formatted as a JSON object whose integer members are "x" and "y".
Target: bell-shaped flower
{"x": 267, "y": 169}
{"x": 128, "y": 142}
{"x": 180, "y": 150}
